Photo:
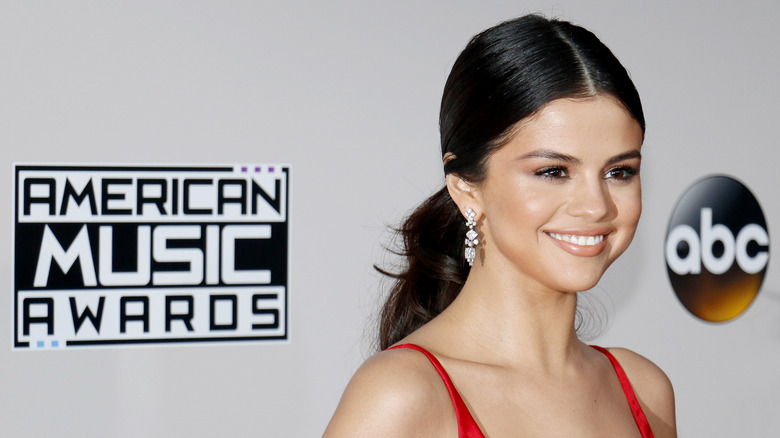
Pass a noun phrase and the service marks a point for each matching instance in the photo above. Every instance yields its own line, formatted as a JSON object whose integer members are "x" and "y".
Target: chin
{"x": 573, "y": 282}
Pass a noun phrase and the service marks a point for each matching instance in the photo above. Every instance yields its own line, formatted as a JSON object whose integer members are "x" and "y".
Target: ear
{"x": 465, "y": 194}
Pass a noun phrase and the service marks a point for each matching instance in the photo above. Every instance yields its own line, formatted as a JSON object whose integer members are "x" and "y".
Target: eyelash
{"x": 547, "y": 173}
{"x": 561, "y": 173}
{"x": 628, "y": 172}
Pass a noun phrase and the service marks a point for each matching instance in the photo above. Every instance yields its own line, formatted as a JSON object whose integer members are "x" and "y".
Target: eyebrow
{"x": 552, "y": 155}
{"x": 626, "y": 156}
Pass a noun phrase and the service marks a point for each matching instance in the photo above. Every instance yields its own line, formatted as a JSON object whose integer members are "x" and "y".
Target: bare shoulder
{"x": 395, "y": 393}
{"x": 653, "y": 389}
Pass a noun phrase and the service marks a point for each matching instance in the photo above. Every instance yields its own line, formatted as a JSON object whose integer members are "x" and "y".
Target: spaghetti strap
{"x": 636, "y": 409}
{"x": 467, "y": 426}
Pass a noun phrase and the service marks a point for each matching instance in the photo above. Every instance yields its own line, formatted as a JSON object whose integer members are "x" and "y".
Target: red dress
{"x": 468, "y": 428}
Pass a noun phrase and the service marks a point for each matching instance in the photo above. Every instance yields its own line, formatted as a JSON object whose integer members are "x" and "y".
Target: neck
{"x": 512, "y": 322}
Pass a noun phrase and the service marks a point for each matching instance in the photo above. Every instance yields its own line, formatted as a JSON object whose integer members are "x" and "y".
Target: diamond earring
{"x": 471, "y": 237}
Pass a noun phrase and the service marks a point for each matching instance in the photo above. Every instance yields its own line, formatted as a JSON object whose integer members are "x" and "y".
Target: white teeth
{"x": 578, "y": 240}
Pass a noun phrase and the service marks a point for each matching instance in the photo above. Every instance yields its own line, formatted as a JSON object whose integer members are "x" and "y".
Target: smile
{"x": 578, "y": 240}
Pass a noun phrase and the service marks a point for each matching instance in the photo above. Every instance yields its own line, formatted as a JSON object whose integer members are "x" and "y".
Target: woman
{"x": 541, "y": 131}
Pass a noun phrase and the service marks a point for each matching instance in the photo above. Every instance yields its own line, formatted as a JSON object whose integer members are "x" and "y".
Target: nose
{"x": 592, "y": 200}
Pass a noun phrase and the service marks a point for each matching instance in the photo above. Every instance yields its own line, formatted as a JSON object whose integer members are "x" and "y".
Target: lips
{"x": 588, "y": 243}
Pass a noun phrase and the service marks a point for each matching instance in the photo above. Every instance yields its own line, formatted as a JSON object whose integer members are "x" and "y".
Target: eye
{"x": 555, "y": 172}
{"x": 624, "y": 173}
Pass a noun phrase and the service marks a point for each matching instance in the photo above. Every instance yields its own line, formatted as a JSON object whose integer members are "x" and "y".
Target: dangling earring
{"x": 471, "y": 237}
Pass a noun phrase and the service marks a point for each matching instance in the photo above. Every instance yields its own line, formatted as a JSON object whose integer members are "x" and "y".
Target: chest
{"x": 535, "y": 408}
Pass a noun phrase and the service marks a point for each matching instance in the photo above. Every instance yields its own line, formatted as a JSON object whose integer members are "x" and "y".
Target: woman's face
{"x": 561, "y": 200}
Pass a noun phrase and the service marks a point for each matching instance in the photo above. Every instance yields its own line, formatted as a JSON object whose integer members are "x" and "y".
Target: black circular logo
{"x": 717, "y": 248}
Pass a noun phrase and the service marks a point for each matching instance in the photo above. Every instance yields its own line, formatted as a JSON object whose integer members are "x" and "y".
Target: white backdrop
{"x": 347, "y": 93}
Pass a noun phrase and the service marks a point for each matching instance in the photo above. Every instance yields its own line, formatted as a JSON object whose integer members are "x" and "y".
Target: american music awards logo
{"x": 149, "y": 254}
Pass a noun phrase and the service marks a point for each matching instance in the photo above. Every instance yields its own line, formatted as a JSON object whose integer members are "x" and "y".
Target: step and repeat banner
{"x": 197, "y": 193}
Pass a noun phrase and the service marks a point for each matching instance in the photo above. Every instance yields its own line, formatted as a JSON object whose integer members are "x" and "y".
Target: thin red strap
{"x": 467, "y": 427}
{"x": 636, "y": 409}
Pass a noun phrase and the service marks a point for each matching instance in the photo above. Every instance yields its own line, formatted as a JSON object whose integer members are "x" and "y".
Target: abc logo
{"x": 717, "y": 248}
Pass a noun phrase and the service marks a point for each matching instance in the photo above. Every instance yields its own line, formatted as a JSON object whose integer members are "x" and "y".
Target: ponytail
{"x": 432, "y": 243}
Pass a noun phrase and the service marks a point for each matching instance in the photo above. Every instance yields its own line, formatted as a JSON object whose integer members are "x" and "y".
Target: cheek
{"x": 519, "y": 212}
{"x": 629, "y": 207}
{"x": 538, "y": 209}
